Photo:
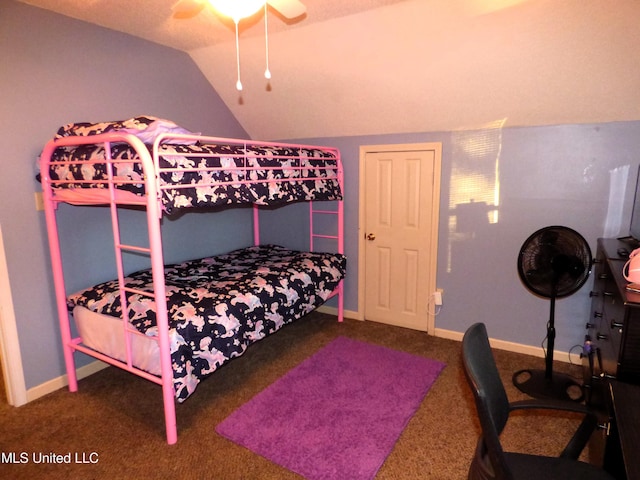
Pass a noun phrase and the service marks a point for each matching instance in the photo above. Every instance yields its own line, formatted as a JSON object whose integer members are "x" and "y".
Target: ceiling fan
{"x": 239, "y": 9}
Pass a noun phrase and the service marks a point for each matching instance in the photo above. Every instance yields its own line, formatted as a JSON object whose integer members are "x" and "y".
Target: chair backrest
{"x": 491, "y": 399}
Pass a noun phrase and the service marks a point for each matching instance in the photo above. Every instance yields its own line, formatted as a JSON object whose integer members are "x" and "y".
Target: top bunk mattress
{"x": 190, "y": 170}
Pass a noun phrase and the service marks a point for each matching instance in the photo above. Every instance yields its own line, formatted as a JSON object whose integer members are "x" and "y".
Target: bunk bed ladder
{"x": 158, "y": 296}
{"x": 123, "y": 289}
{"x": 338, "y": 237}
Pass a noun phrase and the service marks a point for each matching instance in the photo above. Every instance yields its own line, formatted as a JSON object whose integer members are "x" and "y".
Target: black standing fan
{"x": 553, "y": 263}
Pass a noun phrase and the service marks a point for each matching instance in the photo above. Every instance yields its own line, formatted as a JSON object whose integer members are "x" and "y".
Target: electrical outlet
{"x": 437, "y": 297}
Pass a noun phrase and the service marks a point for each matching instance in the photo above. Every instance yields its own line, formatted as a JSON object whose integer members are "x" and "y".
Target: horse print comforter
{"x": 198, "y": 172}
{"x": 220, "y": 305}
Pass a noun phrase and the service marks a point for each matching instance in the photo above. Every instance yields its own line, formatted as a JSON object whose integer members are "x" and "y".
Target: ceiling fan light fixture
{"x": 240, "y": 9}
{"x": 237, "y": 9}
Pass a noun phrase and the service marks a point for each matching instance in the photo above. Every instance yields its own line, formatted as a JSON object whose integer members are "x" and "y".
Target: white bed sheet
{"x": 104, "y": 334}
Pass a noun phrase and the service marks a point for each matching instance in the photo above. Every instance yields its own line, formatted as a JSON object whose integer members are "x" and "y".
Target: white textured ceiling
{"x": 394, "y": 66}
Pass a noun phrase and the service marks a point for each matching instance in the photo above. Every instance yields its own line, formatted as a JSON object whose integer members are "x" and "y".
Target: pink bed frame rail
{"x": 110, "y": 195}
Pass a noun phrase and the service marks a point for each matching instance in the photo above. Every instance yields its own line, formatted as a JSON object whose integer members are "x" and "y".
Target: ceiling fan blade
{"x": 183, "y": 9}
{"x": 288, "y": 8}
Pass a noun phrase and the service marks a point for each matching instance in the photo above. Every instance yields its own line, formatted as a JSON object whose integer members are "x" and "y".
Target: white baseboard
{"x": 334, "y": 311}
{"x": 62, "y": 381}
{"x": 565, "y": 357}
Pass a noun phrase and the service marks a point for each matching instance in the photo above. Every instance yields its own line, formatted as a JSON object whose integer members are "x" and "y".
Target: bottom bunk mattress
{"x": 217, "y": 306}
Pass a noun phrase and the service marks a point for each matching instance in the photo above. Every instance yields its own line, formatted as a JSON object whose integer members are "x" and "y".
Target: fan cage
{"x": 554, "y": 262}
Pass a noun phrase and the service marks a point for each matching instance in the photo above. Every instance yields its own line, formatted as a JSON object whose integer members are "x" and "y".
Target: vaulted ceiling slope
{"x": 394, "y": 66}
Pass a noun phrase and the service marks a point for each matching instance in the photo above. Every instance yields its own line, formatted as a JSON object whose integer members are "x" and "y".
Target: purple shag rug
{"x": 338, "y": 414}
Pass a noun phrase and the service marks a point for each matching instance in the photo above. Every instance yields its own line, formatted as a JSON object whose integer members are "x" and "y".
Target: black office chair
{"x": 490, "y": 461}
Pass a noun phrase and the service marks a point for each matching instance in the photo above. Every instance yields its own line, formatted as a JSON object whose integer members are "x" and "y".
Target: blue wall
{"x": 553, "y": 175}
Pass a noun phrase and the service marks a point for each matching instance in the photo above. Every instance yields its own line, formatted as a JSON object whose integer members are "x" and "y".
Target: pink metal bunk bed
{"x": 177, "y": 309}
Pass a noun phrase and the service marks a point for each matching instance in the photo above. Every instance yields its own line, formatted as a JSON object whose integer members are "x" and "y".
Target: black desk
{"x": 625, "y": 399}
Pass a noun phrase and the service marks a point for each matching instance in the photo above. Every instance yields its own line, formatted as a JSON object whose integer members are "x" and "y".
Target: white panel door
{"x": 400, "y": 235}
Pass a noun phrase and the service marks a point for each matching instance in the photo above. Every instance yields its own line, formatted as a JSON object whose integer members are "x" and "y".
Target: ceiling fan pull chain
{"x": 267, "y": 73}
{"x": 238, "y": 83}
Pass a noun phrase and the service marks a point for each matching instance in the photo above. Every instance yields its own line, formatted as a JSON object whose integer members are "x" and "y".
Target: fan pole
{"x": 551, "y": 339}
{"x": 546, "y": 384}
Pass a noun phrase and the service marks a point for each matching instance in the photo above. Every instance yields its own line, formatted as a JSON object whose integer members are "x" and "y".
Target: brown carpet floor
{"x": 116, "y": 419}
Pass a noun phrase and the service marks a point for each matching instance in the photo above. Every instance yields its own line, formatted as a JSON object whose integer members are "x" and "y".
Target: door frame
{"x": 9, "y": 344}
{"x": 433, "y": 264}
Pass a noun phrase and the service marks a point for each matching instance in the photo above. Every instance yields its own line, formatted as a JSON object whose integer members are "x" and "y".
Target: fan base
{"x": 536, "y": 384}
